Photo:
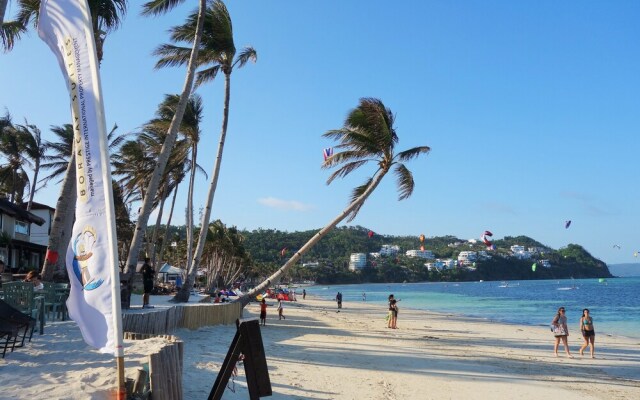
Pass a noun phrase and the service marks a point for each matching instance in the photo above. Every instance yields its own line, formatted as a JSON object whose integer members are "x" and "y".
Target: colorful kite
{"x": 533, "y": 267}
{"x": 328, "y": 152}
{"x": 616, "y": 246}
{"x": 422, "y": 242}
{"x": 370, "y": 234}
{"x": 486, "y": 241}
{"x": 567, "y": 224}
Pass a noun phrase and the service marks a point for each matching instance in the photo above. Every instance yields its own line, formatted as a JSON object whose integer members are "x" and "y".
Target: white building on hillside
{"x": 357, "y": 261}
{"x": 389, "y": 250}
{"x": 420, "y": 254}
{"x": 467, "y": 257}
{"x": 311, "y": 265}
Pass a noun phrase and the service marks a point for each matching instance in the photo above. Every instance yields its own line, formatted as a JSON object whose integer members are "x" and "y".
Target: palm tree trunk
{"x": 62, "y": 224}
{"x": 166, "y": 231}
{"x": 165, "y": 152}
{"x": 192, "y": 176}
{"x": 154, "y": 238}
{"x": 33, "y": 185}
{"x": 183, "y": 294}
{"x": 245, "y": 299}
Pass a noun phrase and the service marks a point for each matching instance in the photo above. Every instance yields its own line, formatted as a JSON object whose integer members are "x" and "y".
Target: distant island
{"x": 626, "y": 269}
{"x": 385, "y": 259}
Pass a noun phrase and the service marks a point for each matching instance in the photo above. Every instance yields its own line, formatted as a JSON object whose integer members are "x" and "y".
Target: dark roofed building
{"x": 16, "y": 248}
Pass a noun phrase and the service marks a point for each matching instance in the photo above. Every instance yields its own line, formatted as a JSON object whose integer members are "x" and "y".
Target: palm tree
{"x": 367, "y": 136}
{"x": 218, "y": 53}
{"x": 156, "y": 7}
{"x": 34, "y": 152}
{"x": 13, "y": 177}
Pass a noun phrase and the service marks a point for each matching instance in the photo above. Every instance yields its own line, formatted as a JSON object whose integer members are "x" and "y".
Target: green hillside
{"x": 332, "y": 257}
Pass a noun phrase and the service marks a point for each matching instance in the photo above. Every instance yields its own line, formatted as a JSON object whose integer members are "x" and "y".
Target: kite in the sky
{"x": 616, "y": 246}
{"x": 533, "y": 267}
{"x": 328, "y": 152}
{"x": 486, "y": 241}
{"x": 567, "y": 224}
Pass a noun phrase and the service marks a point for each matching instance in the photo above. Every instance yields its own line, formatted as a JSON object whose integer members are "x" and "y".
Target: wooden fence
{"x": 165, "y": 368}
{"x": 166, "y": 321}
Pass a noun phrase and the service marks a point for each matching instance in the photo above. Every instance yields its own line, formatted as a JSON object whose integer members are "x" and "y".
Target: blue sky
{"x": 532, "y": 111}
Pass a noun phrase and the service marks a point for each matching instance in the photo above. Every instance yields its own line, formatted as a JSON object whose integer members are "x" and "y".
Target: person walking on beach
{"x": 280, "y": 309}
{"x": 364, "y": 296}
{"x": 304, "y": 294}
{"x": 263, "y": 312}
{"x": 339, "y": 300}
{"x": 588, "y": 332}
{"x": 148, "y": 274}
{"x": 561, "y": 332}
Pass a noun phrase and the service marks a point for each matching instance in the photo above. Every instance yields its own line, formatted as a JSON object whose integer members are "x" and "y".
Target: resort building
{"x": 545, "y": 263}
{"x": 40, "y": 233}
{"x": 16, "y": 249}
{"x": 357, "y": 261}
{"x": 467, "y": 257}
{"x": 428, "y": 254}
{"x": 311, "y": 265}
{"x": 389, "y": 250}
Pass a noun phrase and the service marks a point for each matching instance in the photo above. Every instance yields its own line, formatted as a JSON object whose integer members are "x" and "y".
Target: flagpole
{"x": 111, "y": 216}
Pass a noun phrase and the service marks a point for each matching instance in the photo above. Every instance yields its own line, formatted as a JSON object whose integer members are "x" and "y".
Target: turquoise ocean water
{"x": 614, "y": 304}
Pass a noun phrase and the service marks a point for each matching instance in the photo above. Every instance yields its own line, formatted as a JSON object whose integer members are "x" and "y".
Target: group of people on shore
{"x": 561, "y": 332}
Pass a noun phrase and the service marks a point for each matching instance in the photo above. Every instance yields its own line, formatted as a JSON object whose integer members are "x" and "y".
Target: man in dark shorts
{"x": 148, "y": 273}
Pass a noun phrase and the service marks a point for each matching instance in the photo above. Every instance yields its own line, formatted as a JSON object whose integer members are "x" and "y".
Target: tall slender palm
{"x": 218, "y": 53}
{"x": 106, "y": 16}
{"x": 156, "y": 7}
{"x": 34, "y": 152}
{"x": 367, "y": 136}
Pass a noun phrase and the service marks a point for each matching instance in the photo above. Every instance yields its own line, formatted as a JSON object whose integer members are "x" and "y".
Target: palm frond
{"x": 159, "y": 7}
{"x": 171, "y": 56}
{"x": 345, "y": 170}
{"x": 207, "y": 75}
{"x": 107, "y": 15}
{"x": 412, "y": 153}
{"x": 355, "y": 195}
{"x": 404, "y": 181}
{"x": 10, "y": 33}
{"x": 345, "y": 157}
{"x": 247, "y": 54}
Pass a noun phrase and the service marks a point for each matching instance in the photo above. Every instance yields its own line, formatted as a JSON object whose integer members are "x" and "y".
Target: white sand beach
{"x": 317, "y": 353}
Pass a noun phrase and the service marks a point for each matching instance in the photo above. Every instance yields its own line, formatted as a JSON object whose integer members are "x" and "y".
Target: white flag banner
{"x": 65, "y": 26}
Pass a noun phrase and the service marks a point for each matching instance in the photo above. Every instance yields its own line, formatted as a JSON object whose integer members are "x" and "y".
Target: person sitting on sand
{"x": 588, "y": 332}
{"x": 561, "y": 332}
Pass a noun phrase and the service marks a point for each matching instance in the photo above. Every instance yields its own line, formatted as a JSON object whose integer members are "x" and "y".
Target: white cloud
{"x": 289, "y": 205}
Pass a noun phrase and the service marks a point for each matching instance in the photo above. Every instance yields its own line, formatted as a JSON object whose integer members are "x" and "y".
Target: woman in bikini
{"x": 588, "y": 333}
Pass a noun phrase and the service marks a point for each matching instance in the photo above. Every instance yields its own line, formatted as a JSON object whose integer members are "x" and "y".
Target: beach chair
{"x": 23, "y": 324}
{"x": 8, "y": 333}
{"x": 22, "y": 297}
{"x": 55, "y": 296}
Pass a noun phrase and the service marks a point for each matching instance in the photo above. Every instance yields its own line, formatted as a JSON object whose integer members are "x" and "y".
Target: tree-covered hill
{"x": 333, "y": 251}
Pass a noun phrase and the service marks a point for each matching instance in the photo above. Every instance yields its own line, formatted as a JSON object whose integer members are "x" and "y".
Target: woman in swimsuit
{"x": 588, "y": 333}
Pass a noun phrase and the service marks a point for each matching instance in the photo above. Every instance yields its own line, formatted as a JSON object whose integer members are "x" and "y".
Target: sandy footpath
{"x": 318, "y": 353}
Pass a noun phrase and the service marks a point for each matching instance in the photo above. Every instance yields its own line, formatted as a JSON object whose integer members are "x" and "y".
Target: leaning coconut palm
{"x": 368, "y": 135}
{"x": 218, "y": 53}
{"x": 157, "y": 7}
